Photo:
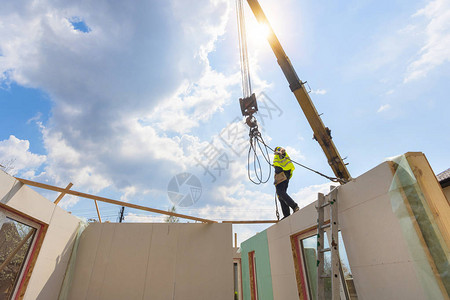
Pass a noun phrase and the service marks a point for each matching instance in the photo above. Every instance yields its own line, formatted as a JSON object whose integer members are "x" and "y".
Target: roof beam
{"x": 63, "y": 193}
{"x": 251, "y": 222}
{"x": 107, "y": 200}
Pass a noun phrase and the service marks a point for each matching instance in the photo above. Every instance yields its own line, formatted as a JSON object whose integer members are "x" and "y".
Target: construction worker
{"x": 284, "y": 169}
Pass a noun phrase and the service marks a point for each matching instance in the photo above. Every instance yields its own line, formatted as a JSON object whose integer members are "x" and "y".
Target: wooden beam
{"x": 63, "y": 193}
{"x": 250, "y": 222}
{"x": 111, "y": 201}
{"x": 98, "y": 212}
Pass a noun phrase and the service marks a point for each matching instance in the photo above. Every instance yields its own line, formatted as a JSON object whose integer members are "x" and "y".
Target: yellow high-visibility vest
{"x": 284, "y": 163}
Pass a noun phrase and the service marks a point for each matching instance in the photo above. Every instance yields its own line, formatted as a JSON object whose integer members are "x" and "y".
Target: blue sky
{"x": 119, "y": 98}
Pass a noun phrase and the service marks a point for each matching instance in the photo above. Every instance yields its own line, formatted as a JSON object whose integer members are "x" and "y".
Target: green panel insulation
{"x": 260, "y": 246}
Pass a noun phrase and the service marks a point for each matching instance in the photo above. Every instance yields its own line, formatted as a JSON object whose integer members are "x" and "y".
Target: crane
{"x": 321, "y": 133}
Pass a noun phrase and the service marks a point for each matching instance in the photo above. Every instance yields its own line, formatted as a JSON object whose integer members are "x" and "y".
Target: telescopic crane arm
{"x": 321, "y": 133}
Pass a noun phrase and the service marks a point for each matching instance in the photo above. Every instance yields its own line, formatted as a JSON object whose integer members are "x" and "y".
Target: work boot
{"x": 296, "y": 208}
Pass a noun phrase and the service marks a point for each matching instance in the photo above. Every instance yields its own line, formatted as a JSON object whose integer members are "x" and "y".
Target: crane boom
{"x": 321, "y": 133}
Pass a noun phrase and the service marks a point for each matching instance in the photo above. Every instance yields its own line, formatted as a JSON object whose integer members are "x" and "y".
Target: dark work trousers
{"x": 285, "y": 200}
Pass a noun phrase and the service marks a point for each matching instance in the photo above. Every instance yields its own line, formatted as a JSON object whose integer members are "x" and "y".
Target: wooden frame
{"x": 32, "y": 262}
{"x": 251, "y": 222}
{"x": 98, "y": 212}
{"x": 438, "y": 210}
{"x": 238, "y": 261}
{"x": 253, "y": 276}
{"x": 67, "y": 190}
{"x": 302, "y": 284}
{"x": 33, "y": 252}
{"x": 111, "y": 201}
{"x": 63, "y": 193}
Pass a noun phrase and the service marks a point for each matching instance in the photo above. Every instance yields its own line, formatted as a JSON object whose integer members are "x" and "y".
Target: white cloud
{"x": 294, "y": 153}
{"x": 308, "y": 194}
{"x": 129, "y": 191}
{"x": 142, "y": 70}
{"x": 127, "y": 97}
{"x": 436, "y": 50}
{"x": 69, "y": 201}
{"x": 193, "y": 102}
{"x": 142, "y": 218}
{"x": 384, "y": 107}
{"x": 36, "y": 118}
{"x": 319, "y": 92}
{"x": 16, "y": 155}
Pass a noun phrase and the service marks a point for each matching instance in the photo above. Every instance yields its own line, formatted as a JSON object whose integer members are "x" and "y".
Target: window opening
{"x": 253, "y": 277}
{"x": 309, "y": 255}
{"x": 309, "y": 246}
{"x": 346, "y": 271}
{"x": 16, "y": 241}
{"x": 236, "y": 281}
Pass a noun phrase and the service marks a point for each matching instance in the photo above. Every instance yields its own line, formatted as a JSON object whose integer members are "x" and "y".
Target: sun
{"x": 257, "y": 32}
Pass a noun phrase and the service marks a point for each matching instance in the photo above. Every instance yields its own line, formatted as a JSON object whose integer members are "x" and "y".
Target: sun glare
{"x": 263, "y": 30}
{"x": 257, "y": 33}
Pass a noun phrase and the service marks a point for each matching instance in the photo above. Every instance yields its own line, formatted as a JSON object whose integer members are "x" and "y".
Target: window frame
{"x": 239, "y": 267}
{"x": 303, "y": 287}
{"x": 299, "y": 263}
{"x": 31, "y": 250}
{"x": 253, "y": 275}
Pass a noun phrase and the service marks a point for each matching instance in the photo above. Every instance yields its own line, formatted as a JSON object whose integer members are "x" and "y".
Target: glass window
{"x": 16, "y": 238}
{"x": 309, "y": 252}
{"x": 347, "y": 272}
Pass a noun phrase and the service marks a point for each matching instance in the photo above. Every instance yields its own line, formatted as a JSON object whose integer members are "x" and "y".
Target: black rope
{"x": 257, "y": 143}
{"x": 334, "y": 179}
{"x": 276, "y": 206}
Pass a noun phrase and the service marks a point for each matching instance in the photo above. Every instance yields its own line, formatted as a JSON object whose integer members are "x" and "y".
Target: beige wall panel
{"x": 155, "y": 261}
{"x": 22, "y": 198}
{"x": 369, "y": 185}
{"x": 372, "y": 234}
{"x": 198, "y": 258}
{"x": 102, "y": 258}
{"x": 87, "y": 247}
{"x": 161, "y": 260}
{"x": 283, "y": 290}
{"x": 50, "y": 268}
{"x": 282, "y": 268}
{"x": 280, "y": 251}
{"x": 126, "y": 269}
{"x": 305, "y": 218}
{"x": 282, "y": 229}
{"x": 377, "y": 285}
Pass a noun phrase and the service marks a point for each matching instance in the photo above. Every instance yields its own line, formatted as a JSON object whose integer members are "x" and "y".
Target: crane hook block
{"x": 251, "y": 122}
{"x": 248, "y": 105}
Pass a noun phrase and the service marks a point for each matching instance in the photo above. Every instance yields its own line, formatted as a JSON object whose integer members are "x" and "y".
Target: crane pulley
{"x": 249, "y": 103}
